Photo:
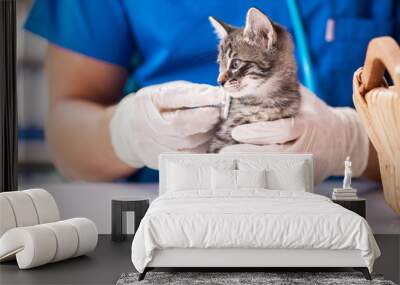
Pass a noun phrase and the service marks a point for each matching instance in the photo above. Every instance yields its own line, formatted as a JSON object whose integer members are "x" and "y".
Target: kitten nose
{"x": 222, "y": 79}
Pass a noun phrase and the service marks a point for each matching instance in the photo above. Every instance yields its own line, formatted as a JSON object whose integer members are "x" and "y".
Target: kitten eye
{"x": 235, "y": 63}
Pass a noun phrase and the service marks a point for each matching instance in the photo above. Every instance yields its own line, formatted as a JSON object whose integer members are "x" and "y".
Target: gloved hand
{"x": 330, "y": 134}
{"x": 152, "y": 121}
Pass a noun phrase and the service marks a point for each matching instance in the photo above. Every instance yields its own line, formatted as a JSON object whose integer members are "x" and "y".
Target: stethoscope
{"x": 302, "y": 45}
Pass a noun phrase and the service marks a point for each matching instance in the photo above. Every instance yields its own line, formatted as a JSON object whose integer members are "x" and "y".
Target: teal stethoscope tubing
{"x": 302, "y": 45}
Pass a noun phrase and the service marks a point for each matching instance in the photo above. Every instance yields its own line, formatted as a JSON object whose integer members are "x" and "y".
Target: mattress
{"x": 253, "y": 219}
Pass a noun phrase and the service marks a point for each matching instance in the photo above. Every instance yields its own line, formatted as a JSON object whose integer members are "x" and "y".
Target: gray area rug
{"x": 269, "y": 278}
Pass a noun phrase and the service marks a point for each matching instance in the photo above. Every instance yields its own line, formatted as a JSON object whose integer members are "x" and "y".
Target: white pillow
{"x": 223, "y": 179}
{"x": 251, "y": 178}
{"x": 288, "y": 175}
{"x": 187, "y": 177}
{"x": 192, "y": 173}
{"x": 231, "y": 180}
{"x": 293, "y": 180}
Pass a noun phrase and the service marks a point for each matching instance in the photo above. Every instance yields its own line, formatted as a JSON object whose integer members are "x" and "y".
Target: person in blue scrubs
{"x": 101, "y": 50}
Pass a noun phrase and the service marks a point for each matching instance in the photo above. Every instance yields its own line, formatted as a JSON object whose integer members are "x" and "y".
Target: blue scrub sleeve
{"x": 97, "y": 29}
{"x": 397, "y": 27}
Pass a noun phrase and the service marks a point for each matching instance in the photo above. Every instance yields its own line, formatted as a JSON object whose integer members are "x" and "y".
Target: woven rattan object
{"x": 379, "y": 107}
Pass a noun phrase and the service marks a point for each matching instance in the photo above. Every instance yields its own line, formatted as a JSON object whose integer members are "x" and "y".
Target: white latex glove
{"x": 152, "y": 121}
{"x": 330, "y": 134}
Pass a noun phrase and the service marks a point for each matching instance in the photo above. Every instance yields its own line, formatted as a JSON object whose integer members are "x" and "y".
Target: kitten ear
{"x": 259, "y": 27}
{"x": 221, "y": 29}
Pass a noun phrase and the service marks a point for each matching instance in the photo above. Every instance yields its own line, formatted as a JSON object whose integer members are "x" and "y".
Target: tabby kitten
{"x": 258, "y": 70}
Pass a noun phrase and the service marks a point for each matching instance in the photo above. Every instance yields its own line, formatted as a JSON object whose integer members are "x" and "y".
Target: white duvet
{"x": 250, "y": 219}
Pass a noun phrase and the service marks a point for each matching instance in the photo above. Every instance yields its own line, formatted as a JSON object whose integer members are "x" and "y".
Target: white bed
{"x": 201, "y": 219}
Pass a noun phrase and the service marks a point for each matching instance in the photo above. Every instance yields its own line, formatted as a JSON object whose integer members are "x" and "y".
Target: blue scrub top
{"x": 159, "y": 41}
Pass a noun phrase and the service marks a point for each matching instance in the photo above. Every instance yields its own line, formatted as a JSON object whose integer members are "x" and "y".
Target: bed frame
{"x": 262, "y": 259}
{"x": 237, "y": 259}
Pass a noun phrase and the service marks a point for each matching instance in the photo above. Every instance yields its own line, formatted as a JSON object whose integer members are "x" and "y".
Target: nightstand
{"x": 119, "y": 209}
{"x": 357, "y": 206}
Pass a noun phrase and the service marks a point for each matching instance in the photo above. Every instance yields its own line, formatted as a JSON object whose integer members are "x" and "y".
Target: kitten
{"x": 257, "y": 68}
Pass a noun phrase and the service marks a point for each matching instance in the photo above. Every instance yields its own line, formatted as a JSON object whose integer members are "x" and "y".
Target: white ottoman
{"x": 31, "y": 231}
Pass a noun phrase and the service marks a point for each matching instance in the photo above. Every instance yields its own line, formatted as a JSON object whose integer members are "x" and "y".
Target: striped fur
{"x": 258, "y": 69}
